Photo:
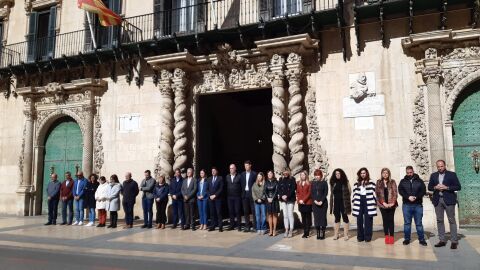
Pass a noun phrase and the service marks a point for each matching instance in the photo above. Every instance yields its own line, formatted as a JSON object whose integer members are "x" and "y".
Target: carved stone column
{"x": 432, "y": 74}
{"x": 87, "y": 166}
{"x": 180, "y": 117}
{"x": 295, "y": 115}
{"x": 279, "y": 115}
{"x": 165, "y": 157}
{"x": 25, "y": 189}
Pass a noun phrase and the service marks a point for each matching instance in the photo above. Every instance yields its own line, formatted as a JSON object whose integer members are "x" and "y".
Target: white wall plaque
{"x": 129, "y": 123}
{"x": 363, "y": 123}
{"x": 370, "y": 106}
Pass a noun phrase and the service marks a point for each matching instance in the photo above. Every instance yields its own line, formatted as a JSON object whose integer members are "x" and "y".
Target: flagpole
{"x": 91, "y": 29}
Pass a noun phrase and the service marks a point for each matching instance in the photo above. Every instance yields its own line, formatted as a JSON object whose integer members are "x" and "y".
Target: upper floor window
{"x": 105, "y": 37}
{"x": 178, "y": 16}
{"x": 41, "y": 34}
{"x": 290, "y": 7}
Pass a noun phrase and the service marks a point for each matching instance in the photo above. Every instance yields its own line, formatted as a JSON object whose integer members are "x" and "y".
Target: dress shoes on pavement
{"x": 423, "y": 243}
{"x": 454, "y": 246}
{"x": 441, "y": 244}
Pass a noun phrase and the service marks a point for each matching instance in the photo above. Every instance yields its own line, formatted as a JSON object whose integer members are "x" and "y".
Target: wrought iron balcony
{"x": 171, "y": 29}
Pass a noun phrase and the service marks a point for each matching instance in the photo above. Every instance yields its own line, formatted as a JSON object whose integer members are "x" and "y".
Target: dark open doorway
{"x": 234, "y": 127}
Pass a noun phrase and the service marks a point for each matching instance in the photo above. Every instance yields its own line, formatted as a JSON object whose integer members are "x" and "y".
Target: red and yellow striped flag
{"x": 106, "y": 16}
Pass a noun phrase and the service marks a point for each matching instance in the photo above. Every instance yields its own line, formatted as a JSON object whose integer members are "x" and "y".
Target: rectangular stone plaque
{"x": 370, "y": 106}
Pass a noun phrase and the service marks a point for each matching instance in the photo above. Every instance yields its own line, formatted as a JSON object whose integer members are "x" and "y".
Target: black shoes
{"x": 174, "y": 227}
{"x": 220, "y": 229}
{"x": 211, "y": 229}
{"x": 440, "y": 244}
{"x": 144, "y": 227}
{"x": 454, "y": 246}
{"x": 231, "y": 228}
{"x": 407, "y": 242}
{"x": 423, "y": 243}
{"x": 48, "y": 224}
{"x": 63, "y": 223}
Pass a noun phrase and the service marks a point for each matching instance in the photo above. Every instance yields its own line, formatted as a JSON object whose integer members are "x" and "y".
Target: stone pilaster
{"x": 165, "y": 156}
{"x": 432, "y": 75}
{"x": 25, "y": 189}
{"x": 279, "y": 115}
{"x": 87, "y": 163}
{"x": 180, "y": 117}
{"x": 295, "y": 115}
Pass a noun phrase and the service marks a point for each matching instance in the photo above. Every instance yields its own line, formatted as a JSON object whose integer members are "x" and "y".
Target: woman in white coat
{"x": 113, "y": 199}
{"x": 101, "y": 196}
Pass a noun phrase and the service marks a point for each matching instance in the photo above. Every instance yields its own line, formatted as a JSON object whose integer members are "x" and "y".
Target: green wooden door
{"x": 466, "y": 139}
{"x": 63, "y": 152}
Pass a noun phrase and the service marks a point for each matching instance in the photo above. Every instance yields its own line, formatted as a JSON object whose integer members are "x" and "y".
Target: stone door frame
{"x": 43, "y": 106}
{"x": 275, "y": 64}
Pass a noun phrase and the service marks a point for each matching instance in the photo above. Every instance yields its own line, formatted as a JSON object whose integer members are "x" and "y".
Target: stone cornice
{"x": 439, "y": 39}
{"x": 300, "y": 44}
{"x": 74, "y": 86}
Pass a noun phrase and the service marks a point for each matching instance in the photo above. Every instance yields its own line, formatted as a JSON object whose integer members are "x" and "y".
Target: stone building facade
{"x": 348, "y": 89}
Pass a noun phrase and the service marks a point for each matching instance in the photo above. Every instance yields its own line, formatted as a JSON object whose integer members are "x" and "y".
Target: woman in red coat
{"x": 304, "y": 200}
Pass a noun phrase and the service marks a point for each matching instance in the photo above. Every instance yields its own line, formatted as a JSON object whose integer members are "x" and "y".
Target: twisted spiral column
{"x": 295, "y": 115}
{"x": 180, "y": 117}
{"x": 165, "y": 159}
{"x": 279, "y": 115}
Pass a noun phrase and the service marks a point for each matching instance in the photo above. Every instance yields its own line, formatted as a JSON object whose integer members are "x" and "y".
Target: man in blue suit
{"x": 247, "y": 179}
{"x": 215, "y": 189}
{"x": 177, "y": 199}
{"x": 78, "y": 196}
{"x": 444, "y": 184}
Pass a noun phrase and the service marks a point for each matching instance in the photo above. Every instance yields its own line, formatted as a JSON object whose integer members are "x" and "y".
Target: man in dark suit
{"x": 247, "y": 178}
{"x": 234, "y": 197}
{"x": 177, "y": 199}
{"x": 215, "y": 189}
{"x": 444, "y": 184}
{"x": 189, "y": 190}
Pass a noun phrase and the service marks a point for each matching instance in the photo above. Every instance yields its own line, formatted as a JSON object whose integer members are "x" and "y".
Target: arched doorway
{"x": 63, "y": 152}
{"x": 466, "y": 139}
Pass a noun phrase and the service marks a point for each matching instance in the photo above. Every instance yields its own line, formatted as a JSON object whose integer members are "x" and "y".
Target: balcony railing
{"x": 188, "y": 20}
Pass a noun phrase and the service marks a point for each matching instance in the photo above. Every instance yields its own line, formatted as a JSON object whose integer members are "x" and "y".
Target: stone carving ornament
{"x": 419, "y": 144}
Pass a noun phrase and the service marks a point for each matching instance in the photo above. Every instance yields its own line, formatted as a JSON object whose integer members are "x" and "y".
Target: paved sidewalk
{"x": 237, "y": 248}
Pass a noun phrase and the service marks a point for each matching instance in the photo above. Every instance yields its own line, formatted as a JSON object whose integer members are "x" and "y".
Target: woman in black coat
{"x": 273, "y": 207}
{"x": 320, "y": 204}
{"x": 89, "y": 202}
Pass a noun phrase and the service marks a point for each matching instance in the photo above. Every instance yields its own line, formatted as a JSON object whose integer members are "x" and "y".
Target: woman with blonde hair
{"x": 304, "y": 198}
{"x": 258, "y": 195}
{"x": 386, "y": 192}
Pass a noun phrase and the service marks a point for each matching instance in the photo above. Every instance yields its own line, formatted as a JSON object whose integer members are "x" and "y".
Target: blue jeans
{"x": 78, "y": 210}
{"x": 415, "y": 211}
{"x": 202, "y": 211}
{"x": 91, "y": 214}
{"x": 147, "y": 205}
{"x": 260, "y": 216}
{"x": 68, "y": 204}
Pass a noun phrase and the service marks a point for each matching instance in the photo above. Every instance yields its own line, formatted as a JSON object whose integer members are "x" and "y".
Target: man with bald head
{"x": 53, "y": 193}
{"x": 78, "y": 196}
{"x": 129, "y": 191}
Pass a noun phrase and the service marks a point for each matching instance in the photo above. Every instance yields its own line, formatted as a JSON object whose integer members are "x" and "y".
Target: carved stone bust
{"x": 359, "y": 88}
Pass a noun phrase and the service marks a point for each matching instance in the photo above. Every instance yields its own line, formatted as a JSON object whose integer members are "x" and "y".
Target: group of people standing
{"x": 263, "y": 197}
